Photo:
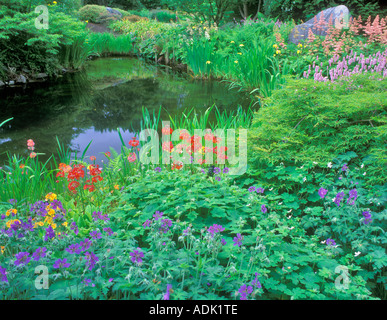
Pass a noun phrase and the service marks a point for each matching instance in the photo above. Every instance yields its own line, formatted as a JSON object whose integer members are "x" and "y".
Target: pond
{"x": 93, "y": 104}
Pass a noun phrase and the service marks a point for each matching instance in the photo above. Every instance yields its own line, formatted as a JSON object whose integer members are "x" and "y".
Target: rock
{"x": 21, "y": 79}
{"x": 336, "y": 16}
{"x": 114, "y": 12}
{"x": 2, "y": 83}
{"x": 11, "y": 83}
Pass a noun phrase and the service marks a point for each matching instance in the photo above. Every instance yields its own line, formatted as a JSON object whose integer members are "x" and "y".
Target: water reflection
{"x": 91, "y": 105}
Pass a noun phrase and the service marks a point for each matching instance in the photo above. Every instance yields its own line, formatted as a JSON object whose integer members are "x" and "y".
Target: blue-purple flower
{"x": 259, "y": 190}
{"x": 85, "y": 244}
{"x": 244, "y": 290}
{"x": 165, "y": 225}
{"x": 223, "y": 242}
{"x": 344, "y": 168}
{"x": 39, "y": 253}
{"x": 226, "y": 170}
{"x": 61, "y": 264}
{"x": 108, "y": 230}
{"x": 95, "y": 235}
{"x": 22, "y": 258}
{"x": 74, "y": 249}
{"x": 158, "y": 169}
{"x": 91, "y": 260}
{"x": 256, "y": 282}
{"x": 251, "y": 189}
{"x": 238, "y": 240}
{"x": 158, "y": 215}
{"x": 263, "y": 209}
{"x": 167, "y": 294}
{"x": 352, "y": 196}
{"x": 322, "y": 192}
{"x": 338, "y": 198}
{"x": 74, "y": 227}
{"x": 136, "y": 256}
{"x": 331, "y": 242}
{"x": 50, "y": 234}
{"x": 3, "y": 274}
{"x": 368, "y": 217}
{"x": 216, "y": 228}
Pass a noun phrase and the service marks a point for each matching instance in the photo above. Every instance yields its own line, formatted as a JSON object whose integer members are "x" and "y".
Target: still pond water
{"x": 91, "y": 105}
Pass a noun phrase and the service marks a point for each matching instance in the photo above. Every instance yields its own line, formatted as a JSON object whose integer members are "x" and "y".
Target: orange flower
{"x": 134, "y": 142}
{"x": 92, "y": 158}
{"x": 32, "y": 155}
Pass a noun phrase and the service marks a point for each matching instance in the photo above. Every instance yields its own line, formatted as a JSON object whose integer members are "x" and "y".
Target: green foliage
{"x": 317, "y": 121}
{"x": 92, "y": 13}
{"x": 209, "y": 11}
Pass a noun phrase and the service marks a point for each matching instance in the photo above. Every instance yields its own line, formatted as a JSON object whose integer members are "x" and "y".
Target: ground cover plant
{"x": 305, "y": 218}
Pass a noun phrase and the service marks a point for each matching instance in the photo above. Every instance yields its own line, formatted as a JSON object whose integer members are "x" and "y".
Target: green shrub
{"x": 91, "y": 13}
{"x": 308, "y": 121}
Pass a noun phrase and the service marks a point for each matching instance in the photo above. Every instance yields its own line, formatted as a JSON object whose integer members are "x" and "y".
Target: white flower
{"x": 323, "y": 242}
{"x": 291, "y": 228}
{"x": 362, "y": 165}
{"x": 364, "y": 173}
{"x": 289, "y": 217}
{"x": 329, "y": 164}
{"x": 270, "y": 189}
{"x": 304, "y": 179}
{"x": 314, "y": 162}
{"x": 357, "y": 253}
{"x": 333, "y": 199}
{"x": 290, "y": 210}
{"x": 280, "y": 203}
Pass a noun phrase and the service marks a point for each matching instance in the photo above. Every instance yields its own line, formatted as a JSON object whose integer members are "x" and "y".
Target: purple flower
{"x": 344, "y": 168}
{"x": 74, "y": 249}
{"x": 256, "y": 282}
{"x": 226, "y": 170}
{"x": 216, "y": 228}
{"x": 158, "y": 169}
{"x": 216, "y": 170}
{"x": 99, "y": 216}
{"x": 223, "y": 242}
{"x": 251, "y": 189}
{"x": 39, "y": 253}
{"x": 85, "y": 244}
{"x": 165, "y": 225}
{"x": 12, "y": 201}
{"x": 108, "y": 230}
{"x": 331, "y": 242}
{"x": 61, "y": 264}
{"x": 217, "y": 178}
{"x": 74, "y": 227}
{"x": 186, "y": 231}
{"x": 244, "y": 290}
{"x": 158, "y": 215}
{"x": 91, "y": 260}
{"x": 263, "y": 208}
{"x": 147, "y": 223}
{"x": 259, "y": 190}
{"x": 338, "y": 198}
{"x": 322, "y": 192}
{"x": 167, "y": 294}
{"x": 3, "y": 274}
{"x": 50, "y": 234}
{"x": 136, "y": 256}
{"x": 368, "y": 217}
{"x": 95, "y": 235}
{"x": 238, "y": 240}
{"x": 22, "y": 258}
{"x": 352, "y": 195}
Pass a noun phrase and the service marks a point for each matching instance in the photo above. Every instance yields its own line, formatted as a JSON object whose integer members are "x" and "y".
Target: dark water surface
{"x": 92, "y": 104}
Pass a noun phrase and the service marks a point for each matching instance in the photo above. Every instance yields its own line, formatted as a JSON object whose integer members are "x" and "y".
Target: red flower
{"x": 167, "y": 146}
{"x": 73, "y": 185}
{"x": 94, "y": 170}
{"x": 96, "y": 179}
{"x": 92, "y": 158}
{"x": 177, "y": 166}
{"x": 107, "y": 154}
{"x": 166, "y": 130}
{"x": 134, "y": 142}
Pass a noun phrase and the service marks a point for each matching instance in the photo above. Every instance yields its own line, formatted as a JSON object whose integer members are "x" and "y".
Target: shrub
{"x": 314, "y": 121}
{"x": 134, "y": 18}
{"x": 91, "y": 13}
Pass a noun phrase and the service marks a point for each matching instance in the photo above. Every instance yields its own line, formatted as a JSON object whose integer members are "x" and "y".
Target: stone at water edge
{"x": 339, "y": 17}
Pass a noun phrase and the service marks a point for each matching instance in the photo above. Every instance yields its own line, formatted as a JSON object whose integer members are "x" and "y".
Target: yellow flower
{"x": 278, "y": 51}
{"x": 54, "y": 2}
{"x": 298, "y": 51}
{"x": 275, "y": 46}
{"x": 232, "y": 41}
{"x": 193, "y": 27}
{"x": 236, "y": 61}
{"x": 299, "y": 45}
{"x": 241, "y": 45}
{"x": 2, "y": 249}
{"x": 10, "y": 222}
{"x": 208, "y": 62}
{"x": 53, "y": 225}
{"x": 10, "y": 211}
{"x": 64, "y": 224}
{"x": 87, "y": 21}
{"x": 51, "y": 196}
{"x": 274, "y": 55}
{"x": 240, "y": 53}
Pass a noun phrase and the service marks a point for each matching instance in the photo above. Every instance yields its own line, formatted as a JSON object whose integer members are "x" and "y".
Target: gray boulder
{"x": 336, "y": 16}
{"x": 114, "y": 11}
{"x": 21, "y": 79}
